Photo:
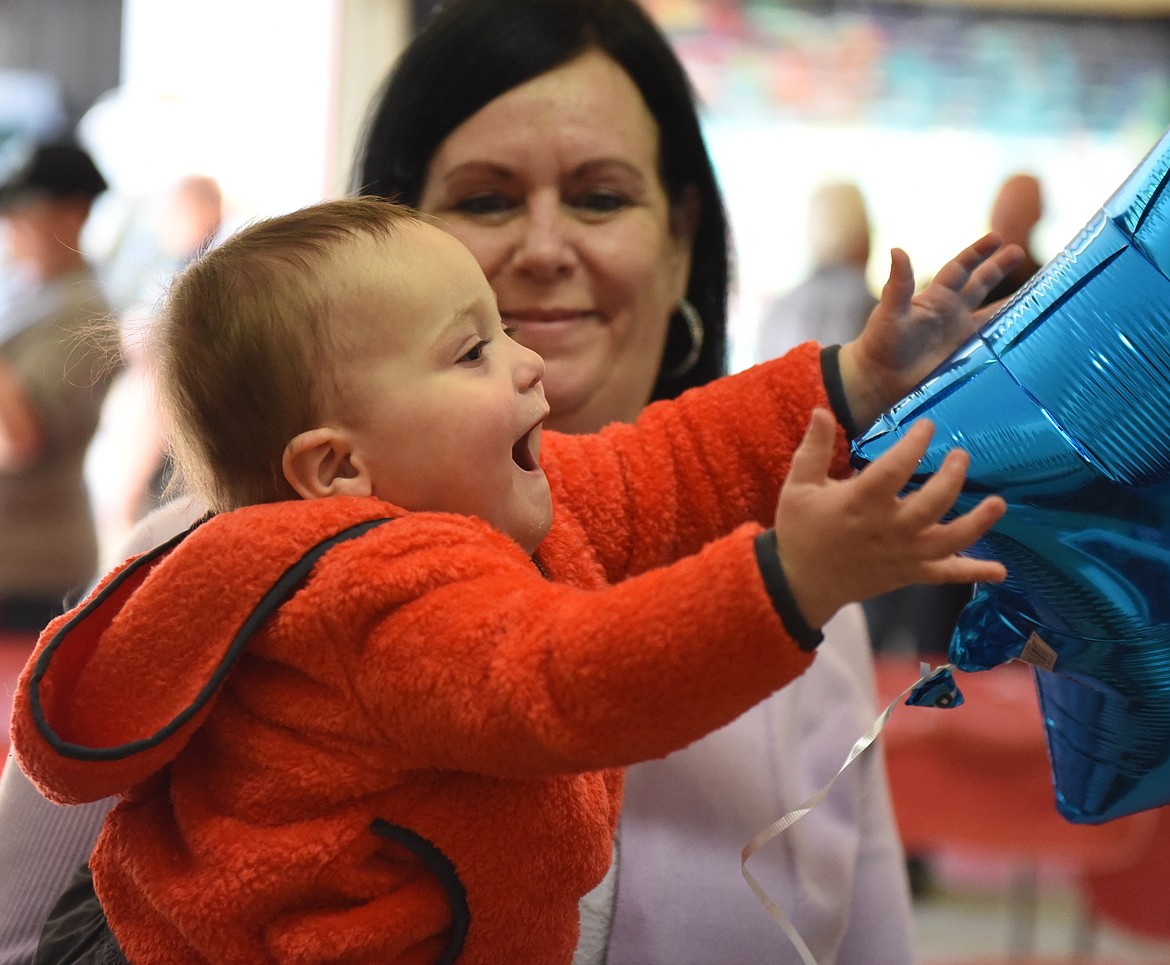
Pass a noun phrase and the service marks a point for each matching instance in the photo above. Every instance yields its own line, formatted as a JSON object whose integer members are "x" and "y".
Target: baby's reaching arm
{"x": 846, "y": 540}
{"x": 692, "y": 469}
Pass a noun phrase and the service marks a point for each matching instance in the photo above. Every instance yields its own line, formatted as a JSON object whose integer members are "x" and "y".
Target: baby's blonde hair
{"x": 246, "y": 350}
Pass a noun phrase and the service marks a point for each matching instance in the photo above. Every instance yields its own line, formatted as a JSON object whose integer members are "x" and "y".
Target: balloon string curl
{"x": 921, "y": 686}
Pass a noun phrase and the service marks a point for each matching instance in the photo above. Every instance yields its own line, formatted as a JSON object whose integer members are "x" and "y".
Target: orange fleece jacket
{"x": 418, "y": 752}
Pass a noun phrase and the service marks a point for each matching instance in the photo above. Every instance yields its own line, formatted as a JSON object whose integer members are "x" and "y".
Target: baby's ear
{"x": 321, "y": 462}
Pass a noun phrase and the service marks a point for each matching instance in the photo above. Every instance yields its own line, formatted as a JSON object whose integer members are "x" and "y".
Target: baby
{"x": 389, "y": 725}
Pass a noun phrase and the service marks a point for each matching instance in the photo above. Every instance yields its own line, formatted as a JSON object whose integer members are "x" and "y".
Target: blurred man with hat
{"x": 58, "y": 353}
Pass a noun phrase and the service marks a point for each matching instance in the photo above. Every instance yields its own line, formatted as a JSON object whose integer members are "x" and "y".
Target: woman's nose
{"x": 544, "y": 247}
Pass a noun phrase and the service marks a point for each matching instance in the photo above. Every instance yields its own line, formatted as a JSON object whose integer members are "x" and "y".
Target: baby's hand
{"x": 907, "y": 335}
{"x": 846, "y": 540}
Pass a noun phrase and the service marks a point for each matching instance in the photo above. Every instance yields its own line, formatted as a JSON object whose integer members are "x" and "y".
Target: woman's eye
{"x": 602, "y": 202}
{"x": 484, "y": 204}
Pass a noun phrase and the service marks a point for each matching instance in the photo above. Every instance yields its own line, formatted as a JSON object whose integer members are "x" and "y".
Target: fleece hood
{"x": 171, "y": 628}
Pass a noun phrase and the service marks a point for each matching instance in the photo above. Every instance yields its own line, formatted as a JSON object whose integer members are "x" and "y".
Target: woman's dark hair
{"x": 472, "y": 51}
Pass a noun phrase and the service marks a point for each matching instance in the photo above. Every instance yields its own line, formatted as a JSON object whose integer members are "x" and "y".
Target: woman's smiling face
{"x": 554, "y": 187}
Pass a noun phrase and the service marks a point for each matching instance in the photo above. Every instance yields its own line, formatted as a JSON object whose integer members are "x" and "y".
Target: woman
{"x": 559, "y": 141}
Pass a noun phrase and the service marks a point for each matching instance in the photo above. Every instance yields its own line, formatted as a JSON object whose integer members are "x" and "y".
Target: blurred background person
{"x": 57, "y": 352}
{"x": 1017, "y": 209}
{"x": 832, "y": 303}
{"x": 194, "y": 218}
{"x": 128, "y": 467}
{"x": 182, "y": 222}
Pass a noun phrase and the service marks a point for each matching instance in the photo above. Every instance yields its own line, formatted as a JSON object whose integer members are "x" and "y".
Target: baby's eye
{"x": 487, "y": 203}
{"x": 510, "y": 331}
{"x": 475, "y": 353}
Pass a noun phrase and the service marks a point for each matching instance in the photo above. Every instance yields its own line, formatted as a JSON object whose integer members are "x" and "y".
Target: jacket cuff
{"x": 835, "y": 390}
{"x": 768, "y": 560}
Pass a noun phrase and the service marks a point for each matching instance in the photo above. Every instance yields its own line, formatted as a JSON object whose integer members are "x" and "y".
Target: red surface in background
{"x": 976, "y": 778}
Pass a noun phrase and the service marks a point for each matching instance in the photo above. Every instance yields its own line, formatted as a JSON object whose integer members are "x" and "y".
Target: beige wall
{"x": 266, "y": 95}
{"x": 370, "y": 36}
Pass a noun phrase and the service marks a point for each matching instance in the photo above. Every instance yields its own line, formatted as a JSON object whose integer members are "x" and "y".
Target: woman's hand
{"x": 907, "y": 335}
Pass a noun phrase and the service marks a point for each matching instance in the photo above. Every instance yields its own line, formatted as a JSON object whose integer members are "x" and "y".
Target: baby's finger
{"x": 963, "y": 569}
{"x": 974, "y": 524}
{"x": 887, "y": 475}
{"x": 899, "y": 286}
{"x": 939, "y": 492}
{"x": 959, "y": 533}
{"x": 956, "y": 273}
{"x": 990, "y": 273}
{"x": 814, "y": 456}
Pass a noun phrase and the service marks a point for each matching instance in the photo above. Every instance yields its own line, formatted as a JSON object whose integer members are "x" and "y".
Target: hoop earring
{"x": 690, "y": 315}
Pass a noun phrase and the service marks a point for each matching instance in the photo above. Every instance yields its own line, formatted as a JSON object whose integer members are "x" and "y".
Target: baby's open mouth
{"x": 522, "y": 453}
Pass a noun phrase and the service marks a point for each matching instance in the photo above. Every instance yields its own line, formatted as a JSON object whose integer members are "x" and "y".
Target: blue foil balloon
{"x": 1063, "y": 402}
{"x": 936, "y": 690}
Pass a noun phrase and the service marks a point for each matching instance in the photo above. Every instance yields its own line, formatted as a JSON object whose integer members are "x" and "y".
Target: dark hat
{"x": 51, "y": 170}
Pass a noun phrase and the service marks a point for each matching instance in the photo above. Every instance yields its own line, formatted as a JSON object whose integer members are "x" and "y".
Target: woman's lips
{"x": 554, "y": 331}
{"x": 539, "y": 316}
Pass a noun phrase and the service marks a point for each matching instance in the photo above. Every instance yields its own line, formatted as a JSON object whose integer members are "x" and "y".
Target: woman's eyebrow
{"x": 478, "y": 167}
{"x": 593, "y": 165}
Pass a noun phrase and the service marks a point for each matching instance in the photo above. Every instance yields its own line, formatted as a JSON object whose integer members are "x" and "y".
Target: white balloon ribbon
{"x": 782, "y": 824}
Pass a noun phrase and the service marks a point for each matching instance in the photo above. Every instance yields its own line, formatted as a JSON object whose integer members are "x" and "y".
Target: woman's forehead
{"x": 588, "y": 104}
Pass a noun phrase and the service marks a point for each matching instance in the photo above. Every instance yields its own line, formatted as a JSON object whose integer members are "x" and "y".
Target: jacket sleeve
{"x": 481, "y": 664}
{"x": 691, "y": 469}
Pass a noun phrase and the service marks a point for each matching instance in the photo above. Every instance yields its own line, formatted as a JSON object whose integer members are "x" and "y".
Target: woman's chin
{"x": 571, "y": 404}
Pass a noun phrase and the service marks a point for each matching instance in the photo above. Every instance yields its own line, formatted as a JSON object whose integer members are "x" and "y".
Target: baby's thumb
{"x": 814, "y": 455}
{"x": 899, "y": 286}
